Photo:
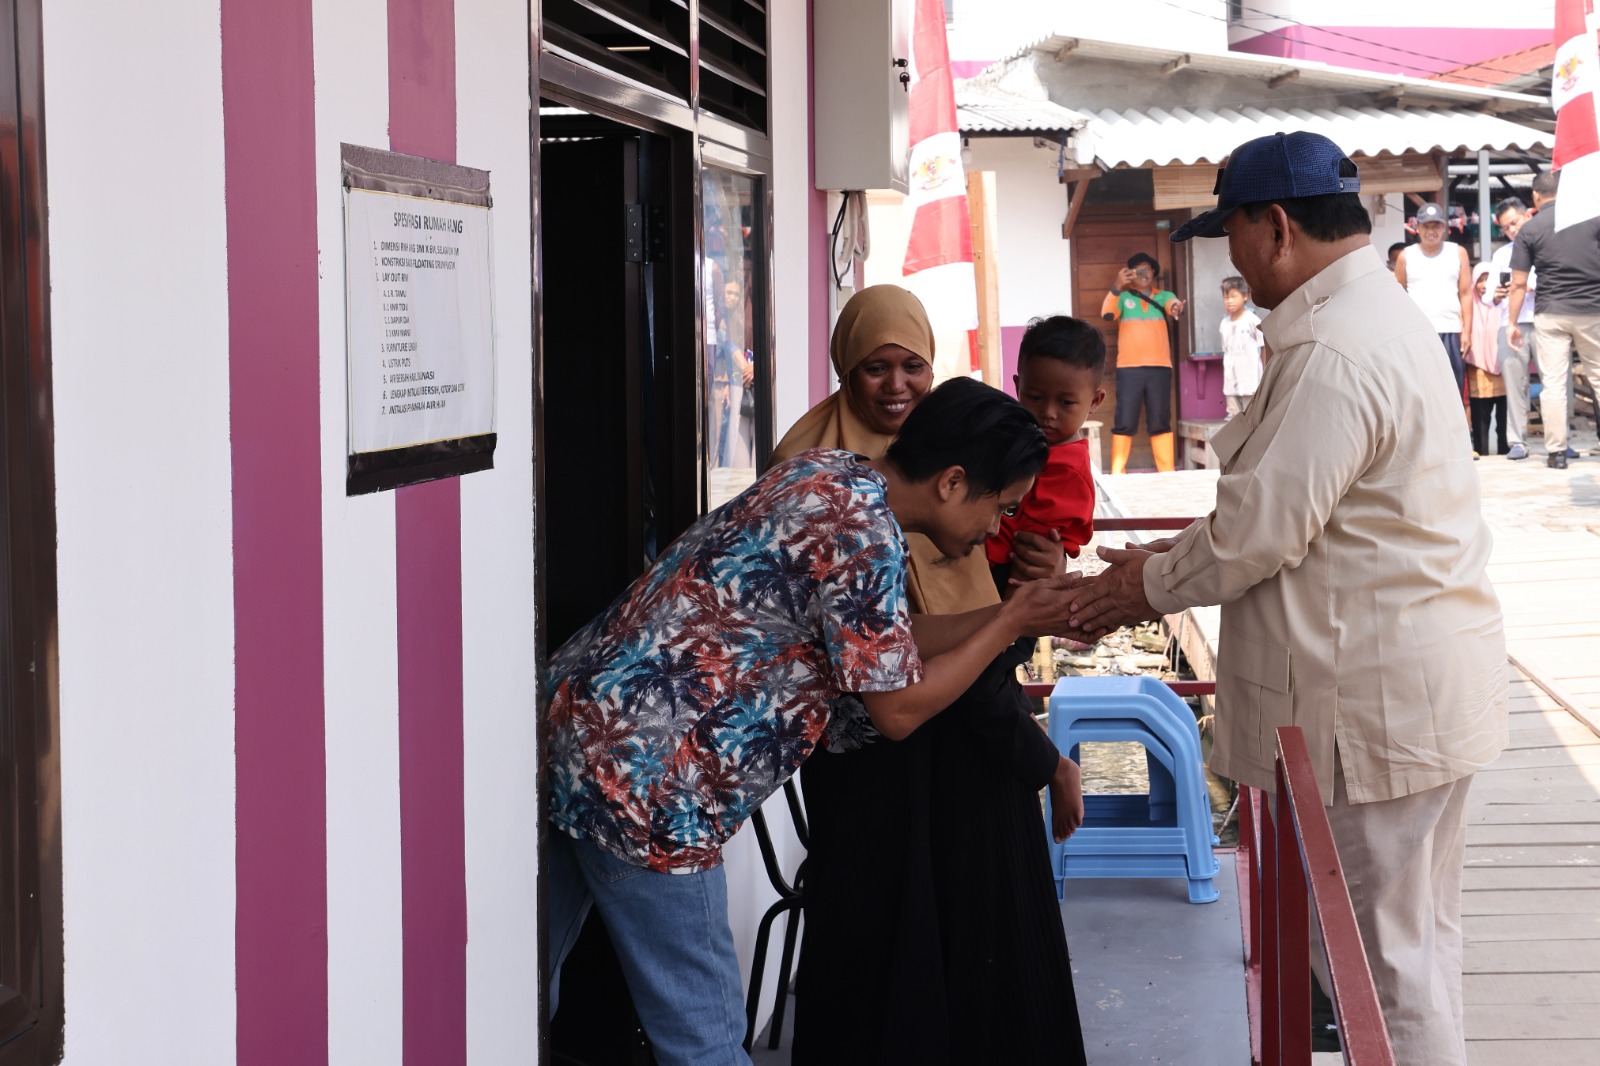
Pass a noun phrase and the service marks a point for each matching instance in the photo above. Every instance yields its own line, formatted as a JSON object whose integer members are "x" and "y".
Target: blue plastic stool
{"x": 1165, "y": 833}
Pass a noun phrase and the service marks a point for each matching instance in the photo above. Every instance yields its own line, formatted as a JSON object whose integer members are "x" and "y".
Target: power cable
{"x": 1377, "y": 44}
{"x": 1339, "y": 51}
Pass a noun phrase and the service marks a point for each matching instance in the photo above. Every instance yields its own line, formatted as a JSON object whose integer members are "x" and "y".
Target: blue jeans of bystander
{"x": 672, "y": 937}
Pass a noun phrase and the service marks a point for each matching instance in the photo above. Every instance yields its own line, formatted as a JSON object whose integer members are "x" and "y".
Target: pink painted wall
{"x": 1414, "y": 51}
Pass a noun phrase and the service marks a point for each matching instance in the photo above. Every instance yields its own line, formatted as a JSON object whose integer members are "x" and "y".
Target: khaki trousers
{"x": 1514, "y": 368}
{"x": 1554, "y": 338}
{"x": 1402, "y": 861}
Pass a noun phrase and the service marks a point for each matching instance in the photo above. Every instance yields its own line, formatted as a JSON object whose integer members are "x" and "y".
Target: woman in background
{"x": 932, "y": 931}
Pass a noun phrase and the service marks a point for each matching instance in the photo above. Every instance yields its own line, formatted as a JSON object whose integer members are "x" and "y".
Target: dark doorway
{"x": 615, "y": 421}
{"x": 619, "y": 450}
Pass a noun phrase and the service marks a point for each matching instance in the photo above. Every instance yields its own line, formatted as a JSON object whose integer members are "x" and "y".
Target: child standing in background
{"x": 1059, "y": 364}
{"x": 1486, "y": 388}
{"x": 1241, "y": 346}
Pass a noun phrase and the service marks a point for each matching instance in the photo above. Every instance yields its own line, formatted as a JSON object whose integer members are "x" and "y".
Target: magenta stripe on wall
{"x": 433, "y": 865}
{"x": 274, "y": 418}
{"x": 821, "y": 256}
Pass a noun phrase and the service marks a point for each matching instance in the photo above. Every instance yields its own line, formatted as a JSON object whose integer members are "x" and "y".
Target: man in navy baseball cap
{"x": 1347, "y": 508}
{"x": 1280, "y": 166}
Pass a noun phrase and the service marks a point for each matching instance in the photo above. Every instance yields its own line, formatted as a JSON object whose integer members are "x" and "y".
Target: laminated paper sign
{"x": 420, "y": 321}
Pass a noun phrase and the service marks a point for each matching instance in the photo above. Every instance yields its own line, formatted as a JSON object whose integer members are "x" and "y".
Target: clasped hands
{"x": 1086, "y": 608}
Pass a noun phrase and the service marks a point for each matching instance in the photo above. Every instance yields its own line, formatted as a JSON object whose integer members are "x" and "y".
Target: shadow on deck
{"x": 1159, "y": 979}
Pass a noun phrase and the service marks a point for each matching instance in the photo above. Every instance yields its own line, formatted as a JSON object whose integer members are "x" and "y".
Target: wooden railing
{"x": 1288, "y": 869}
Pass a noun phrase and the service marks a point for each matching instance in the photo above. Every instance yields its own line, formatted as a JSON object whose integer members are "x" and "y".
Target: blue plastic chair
{"x": 1163, "y": 833}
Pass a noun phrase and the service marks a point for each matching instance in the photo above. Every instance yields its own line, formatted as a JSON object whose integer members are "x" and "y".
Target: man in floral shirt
{"x": 675, "y": 713}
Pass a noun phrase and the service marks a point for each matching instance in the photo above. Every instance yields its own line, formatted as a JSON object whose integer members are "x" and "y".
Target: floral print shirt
{"x": 696, "y": 694}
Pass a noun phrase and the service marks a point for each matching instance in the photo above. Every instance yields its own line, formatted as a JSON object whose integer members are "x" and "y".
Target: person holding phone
{"x": 1509, "y": 215}
{"x": 1486, "y": 387}
{"x": 1144, "y": 359}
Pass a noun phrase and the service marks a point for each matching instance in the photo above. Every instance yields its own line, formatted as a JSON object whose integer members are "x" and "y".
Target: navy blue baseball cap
{"x": 1280, "y": 166}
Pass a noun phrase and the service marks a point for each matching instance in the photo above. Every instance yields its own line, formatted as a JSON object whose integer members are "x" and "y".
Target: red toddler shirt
{"x": 1062, "y": 498}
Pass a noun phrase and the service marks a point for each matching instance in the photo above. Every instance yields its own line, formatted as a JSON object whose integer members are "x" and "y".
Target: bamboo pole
{"x": 986, "y": 269}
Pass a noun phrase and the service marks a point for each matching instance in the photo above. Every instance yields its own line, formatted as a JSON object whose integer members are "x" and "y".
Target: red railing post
{"x": 1271, "y": 1034}
{"x": 1362, "y": 1032}
{"x": 1294, "y": 935}
{"x": 1247, "y": 871}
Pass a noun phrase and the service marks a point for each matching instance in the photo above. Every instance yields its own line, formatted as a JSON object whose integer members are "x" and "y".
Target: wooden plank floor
{"x": 1531, "y": 898}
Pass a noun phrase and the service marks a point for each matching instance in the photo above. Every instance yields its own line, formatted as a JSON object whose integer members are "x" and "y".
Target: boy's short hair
{"x": 1510, "y": 203}
{"x": 1236, "y": 284}
{"x": 1070, "y": 340}
{"x": 966, "y": 423}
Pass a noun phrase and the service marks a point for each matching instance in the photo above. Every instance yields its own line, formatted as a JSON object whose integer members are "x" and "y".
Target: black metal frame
{"x": 791, "y": 900}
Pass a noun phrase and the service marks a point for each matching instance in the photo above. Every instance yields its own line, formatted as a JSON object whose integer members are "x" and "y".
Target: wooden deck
{"x": 1531, "y": 905}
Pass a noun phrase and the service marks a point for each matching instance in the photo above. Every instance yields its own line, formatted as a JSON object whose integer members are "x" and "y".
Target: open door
{"x": 618, "y": 451}
{"x": 1103, "y": 238}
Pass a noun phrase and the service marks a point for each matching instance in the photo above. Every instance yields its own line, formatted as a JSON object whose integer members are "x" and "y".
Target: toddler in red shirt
{"x": 1059, "y": 365}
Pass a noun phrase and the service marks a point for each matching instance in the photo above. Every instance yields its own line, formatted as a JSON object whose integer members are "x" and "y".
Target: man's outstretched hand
{"x": 1113, "y": 598}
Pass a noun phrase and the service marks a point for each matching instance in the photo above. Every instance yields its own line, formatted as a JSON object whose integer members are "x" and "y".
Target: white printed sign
{"x": 420, "y": 321}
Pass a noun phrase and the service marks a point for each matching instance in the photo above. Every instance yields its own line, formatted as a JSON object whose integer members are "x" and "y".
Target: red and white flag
{"x": 938, "y": 263}
{"x": 1574, "y": 86}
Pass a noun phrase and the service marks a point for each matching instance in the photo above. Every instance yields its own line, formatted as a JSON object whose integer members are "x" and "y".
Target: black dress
{"x": 932, "y": 931}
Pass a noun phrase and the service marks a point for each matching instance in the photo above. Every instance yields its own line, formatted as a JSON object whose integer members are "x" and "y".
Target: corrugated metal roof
{"x": 990, "y": 110}
{"x": 1156, "y": 137}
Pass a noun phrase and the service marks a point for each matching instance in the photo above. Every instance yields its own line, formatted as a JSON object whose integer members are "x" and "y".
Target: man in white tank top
{"x": 1439, "y": 278}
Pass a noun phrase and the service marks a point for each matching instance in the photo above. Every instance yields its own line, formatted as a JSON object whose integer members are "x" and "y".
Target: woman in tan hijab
{"x": 927, "y": 879}
{"x": 882, "y": 350}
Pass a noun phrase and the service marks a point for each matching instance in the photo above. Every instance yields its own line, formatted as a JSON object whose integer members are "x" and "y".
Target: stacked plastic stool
{"x": 1165, "y": 833}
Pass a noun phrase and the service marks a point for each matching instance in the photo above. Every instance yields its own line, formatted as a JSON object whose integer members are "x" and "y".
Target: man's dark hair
{"x": 1236, "y": 284}
{"x": 1144, "y": 257}
{"x": 1323, "y": 218}
{"x": 1397, "y": 246}
{"x": 966, "y": 423}
{"x": 1545, "y": 183}
{"x": 1070, "y": 340}
{"x": 1510, "y": 203}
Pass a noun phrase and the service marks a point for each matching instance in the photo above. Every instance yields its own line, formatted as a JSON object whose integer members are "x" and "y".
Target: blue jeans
{"x": 672, "y": 937}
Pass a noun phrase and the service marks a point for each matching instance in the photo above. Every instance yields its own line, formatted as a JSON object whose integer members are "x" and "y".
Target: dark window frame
{"x": 31, "y": 1011}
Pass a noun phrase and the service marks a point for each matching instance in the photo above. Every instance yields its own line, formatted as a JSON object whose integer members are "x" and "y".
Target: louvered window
{"x": 733, "y": 61}
{"x": 649, "y": 42}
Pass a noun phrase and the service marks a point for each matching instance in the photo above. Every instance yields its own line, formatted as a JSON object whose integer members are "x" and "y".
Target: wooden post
{"x": 986, "y": 268}
{"x": 1077, "y": 182}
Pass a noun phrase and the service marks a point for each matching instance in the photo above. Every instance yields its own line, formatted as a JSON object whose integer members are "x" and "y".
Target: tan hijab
{"x": 875, "y": 316}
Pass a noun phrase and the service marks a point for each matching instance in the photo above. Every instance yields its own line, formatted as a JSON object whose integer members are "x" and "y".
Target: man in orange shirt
{"x": 1144, "y": 360}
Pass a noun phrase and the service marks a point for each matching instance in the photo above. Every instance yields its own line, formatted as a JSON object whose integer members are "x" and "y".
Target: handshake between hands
{"x": 1086, "y": 608}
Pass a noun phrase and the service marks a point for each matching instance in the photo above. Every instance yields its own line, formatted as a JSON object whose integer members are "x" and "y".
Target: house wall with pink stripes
{"x": 299, "y": 784}
{"x": 200, "y": 405}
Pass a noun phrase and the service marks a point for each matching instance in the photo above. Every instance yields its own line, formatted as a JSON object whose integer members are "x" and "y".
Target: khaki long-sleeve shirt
{"x": 1348, "y": 549}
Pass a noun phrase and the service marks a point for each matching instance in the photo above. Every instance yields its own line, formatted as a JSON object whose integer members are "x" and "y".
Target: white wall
{"x": 497, "y": 592}
{"x": 1208, "y": 265}
{"x": 139, "y": 309}
{"x": 360, "y": 668}
{"x": 788, "y": 76}
{"x": 138, "y": 306}
{"x": 1034, "y": 261}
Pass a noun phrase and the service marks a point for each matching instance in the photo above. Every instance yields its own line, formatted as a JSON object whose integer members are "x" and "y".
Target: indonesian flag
{"x": 938, "y": 264}
{"x": 1573, "y": 87}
